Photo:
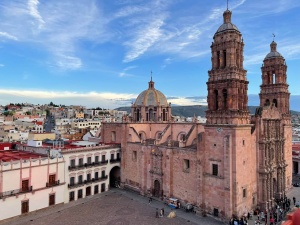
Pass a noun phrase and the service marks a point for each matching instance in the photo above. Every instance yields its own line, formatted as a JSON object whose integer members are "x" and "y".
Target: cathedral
{"x": 232, "y": 164}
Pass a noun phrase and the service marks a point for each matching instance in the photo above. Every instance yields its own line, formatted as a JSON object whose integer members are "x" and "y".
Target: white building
{"x": 90, "y": 170}
{"x": 29, "y": 182}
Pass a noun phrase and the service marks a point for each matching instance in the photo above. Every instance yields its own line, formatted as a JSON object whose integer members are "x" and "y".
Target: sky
{"x": 100, "y": 53}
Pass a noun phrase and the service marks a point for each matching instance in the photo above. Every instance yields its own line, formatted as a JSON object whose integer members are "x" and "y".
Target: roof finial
{"x": 227, "y": 4}
{"x": 151, "y": 75}
{"x": 273, "y": 36}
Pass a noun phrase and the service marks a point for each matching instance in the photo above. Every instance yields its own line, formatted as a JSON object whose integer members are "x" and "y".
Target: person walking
{"x": 294, "y": 200}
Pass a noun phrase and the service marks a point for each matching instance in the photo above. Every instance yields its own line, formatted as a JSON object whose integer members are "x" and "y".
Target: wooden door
{"x": 88, "y": 191}
{"x": 156, "y": 191}
{"x": 25, "y": 185}
{"x": 103, "y": 187}
{"x": 52, "y": 199}
{"x": 52, "y": 180}
{"x": 96, "y": 189}
{"x": 25, "y": 207}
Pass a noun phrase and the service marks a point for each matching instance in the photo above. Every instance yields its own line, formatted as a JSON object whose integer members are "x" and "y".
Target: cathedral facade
{"x": 233, "y": 163}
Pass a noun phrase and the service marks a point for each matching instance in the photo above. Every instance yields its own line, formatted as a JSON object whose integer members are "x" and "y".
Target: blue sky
{"x": 101, "y": 53}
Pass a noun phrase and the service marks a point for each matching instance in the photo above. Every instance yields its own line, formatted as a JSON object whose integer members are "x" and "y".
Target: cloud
{"x": 185, "y": 101}
{"x": 8, "y": 36}
{"x": 1, "y": 65}
{"x": 124, "y": 72}
{"x": 90, "y": 99}
{"x": 144, "y": 39}
{"x": 33, "y": 11}
{"x": 63, "y": 28}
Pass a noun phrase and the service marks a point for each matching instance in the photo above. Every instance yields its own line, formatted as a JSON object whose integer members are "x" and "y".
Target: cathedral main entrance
{"x": 156, "y": 190}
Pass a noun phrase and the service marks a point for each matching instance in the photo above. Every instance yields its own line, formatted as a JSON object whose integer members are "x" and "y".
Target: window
{"x": 134, "y": 155}
{"x": 79, "y": 193}
{"x": 215, "y": 169}
{"x": 89, "y": 160}
{"x": 81, "y": 162}
{"x": 243, "y": 142}
{"x": 103, "y": 173}
{"x": 96, "y": 175}
{"x": 118, "y": 155}
{"x": 103, "y": 158}
{"x": 113, "y": 136}
{"x": 244, "y": 192}
{"x": 72, "y": 181}
{"x": 25, "y": 185}
{"x": 96, "y": 159}
{"x": 80, "y": 179}
{"x": 51, "y": 199}
{"x": 224, "y": 99}
{"x": 186, "y": 165}
{"x": 71, "y": 196}
{"x": 112, "y": 156}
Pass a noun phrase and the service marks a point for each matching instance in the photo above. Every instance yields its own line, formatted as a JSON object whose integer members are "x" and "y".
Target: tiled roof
{"x": 12, "y": 155}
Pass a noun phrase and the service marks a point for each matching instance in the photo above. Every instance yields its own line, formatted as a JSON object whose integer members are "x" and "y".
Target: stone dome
{"x": 151, "y": 97}
{"x": 273, "y": 53}
{"x": 227, "y": 25}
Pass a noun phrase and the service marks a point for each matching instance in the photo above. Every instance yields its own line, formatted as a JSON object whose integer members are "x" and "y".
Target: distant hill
{"x": 197, "y": 110}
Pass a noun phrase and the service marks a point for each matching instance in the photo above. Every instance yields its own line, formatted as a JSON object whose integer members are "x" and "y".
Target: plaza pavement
{"x": 116, "y": 207}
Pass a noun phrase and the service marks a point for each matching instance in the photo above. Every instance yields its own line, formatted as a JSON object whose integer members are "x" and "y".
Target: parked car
{"x": 296, "y": 184}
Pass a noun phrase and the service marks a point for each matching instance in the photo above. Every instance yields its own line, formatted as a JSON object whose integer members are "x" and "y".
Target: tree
{"x": 28, "y": 113}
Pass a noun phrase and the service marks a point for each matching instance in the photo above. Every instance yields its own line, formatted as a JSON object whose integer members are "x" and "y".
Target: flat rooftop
{"x": 13, "y": 155}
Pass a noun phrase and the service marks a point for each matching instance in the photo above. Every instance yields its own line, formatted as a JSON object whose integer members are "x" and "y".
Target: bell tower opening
{"x": 224, "y": 98}
{"x": 216, "y": 100}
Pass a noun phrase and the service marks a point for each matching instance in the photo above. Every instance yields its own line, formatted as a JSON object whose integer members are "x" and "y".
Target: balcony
{"x": 99, "y": 179}
{"x": 75, "y": 185}
{"x": 52, "y": 184}
{"x": 15, "y": 192}
{"x": 76, "y": 167}
{"x": 115, "y": 160}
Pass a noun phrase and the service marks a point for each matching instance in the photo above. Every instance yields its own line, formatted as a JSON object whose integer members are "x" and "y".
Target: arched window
{"x": 274, "y": 78}
{"x": 151, "y": 115}
{"x": 267, "y": 102}
{"x": 224, "y": 56}
{"x": 164, "y": 115}
{"x": 137, "y": 115}
{"x": 219, "y": 60}
{"x": 275, "y": 102}
{"x": 216, "y": 99}
{"x": 224, "y": 98}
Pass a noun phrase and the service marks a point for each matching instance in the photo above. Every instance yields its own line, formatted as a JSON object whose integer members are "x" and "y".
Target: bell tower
{"x": 274, "y": 88}
{"x": 228, "y": 136}
{"x": 227, "y": 84}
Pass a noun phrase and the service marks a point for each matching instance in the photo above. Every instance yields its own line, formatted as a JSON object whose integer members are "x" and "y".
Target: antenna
{"x": 273, "y": 36}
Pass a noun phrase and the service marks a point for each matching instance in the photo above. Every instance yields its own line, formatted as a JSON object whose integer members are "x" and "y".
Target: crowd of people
{"x": 276, "y": 214}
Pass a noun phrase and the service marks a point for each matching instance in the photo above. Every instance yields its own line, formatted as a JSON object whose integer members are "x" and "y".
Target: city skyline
{"x": 99, "y": 53}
